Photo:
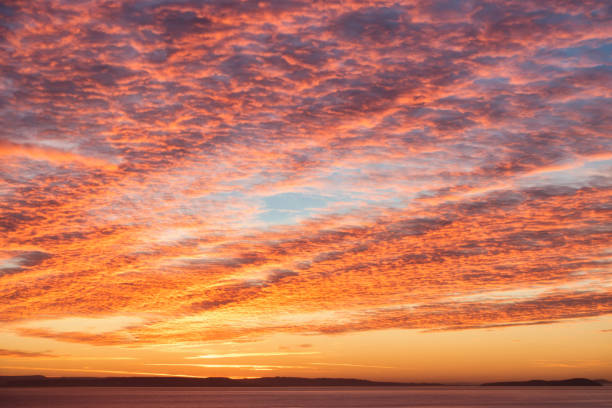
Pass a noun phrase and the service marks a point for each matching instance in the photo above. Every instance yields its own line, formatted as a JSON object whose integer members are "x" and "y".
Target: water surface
{"x": 333, "y": 397}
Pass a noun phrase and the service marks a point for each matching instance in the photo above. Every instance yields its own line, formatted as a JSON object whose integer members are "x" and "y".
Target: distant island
{"x": 42, "y": 381}
{"x": 572, "y": 382}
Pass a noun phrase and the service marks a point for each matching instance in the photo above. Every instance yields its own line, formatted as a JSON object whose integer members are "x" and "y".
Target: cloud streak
{"x": 24, "y": 354}
{"x": 266, "y": 354}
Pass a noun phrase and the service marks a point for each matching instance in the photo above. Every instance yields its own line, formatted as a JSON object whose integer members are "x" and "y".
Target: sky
{"x": 414, "y": 191}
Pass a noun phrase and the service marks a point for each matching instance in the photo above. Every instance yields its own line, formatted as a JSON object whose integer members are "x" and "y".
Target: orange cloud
{"x": 24, "y": 354}
{"x": 55, "y": 156}
{"x": 224, "y": 171}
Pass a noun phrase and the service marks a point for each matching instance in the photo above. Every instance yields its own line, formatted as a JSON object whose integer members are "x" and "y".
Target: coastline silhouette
{"x": 43, "y": 381}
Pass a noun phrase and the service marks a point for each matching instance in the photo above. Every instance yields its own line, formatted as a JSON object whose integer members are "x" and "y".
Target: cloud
{"x": 229, "y": 170}
{"x": 376, "y": 24}
{"x": 52, "y": 155}
{"x": 351, "y": 365}
{"x": 24, "y": 354}
{"x": 180, "y": 23}
{"x": 86, "y": 370}
{"x": 236, "y": 355}
{"x": 256, "y": 367}
{"x": 570, "y": 364}
{"x": 23, "y": 261}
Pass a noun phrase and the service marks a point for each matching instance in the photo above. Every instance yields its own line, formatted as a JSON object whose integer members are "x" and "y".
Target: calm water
{"x": 437, "y": 397}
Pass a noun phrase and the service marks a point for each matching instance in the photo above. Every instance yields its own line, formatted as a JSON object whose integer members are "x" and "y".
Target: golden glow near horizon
{"x": 413, "y": 191}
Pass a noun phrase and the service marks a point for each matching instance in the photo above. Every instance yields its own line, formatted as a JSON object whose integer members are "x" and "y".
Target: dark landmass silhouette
{"x": 603, "y": 381}
{"x": 572, "y": 382}
{"x": 42, "y": 381}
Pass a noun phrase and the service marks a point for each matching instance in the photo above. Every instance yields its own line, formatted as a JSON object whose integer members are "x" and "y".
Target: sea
{"x": 306, "y": 397}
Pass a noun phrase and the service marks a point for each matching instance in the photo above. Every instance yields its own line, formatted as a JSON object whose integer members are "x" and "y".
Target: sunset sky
{"x": 416, "y": 191}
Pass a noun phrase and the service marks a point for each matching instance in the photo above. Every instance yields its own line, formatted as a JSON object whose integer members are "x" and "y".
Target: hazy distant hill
{"x": 41, "y": 381}
{"x": 576, "y": 382}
